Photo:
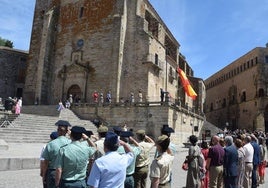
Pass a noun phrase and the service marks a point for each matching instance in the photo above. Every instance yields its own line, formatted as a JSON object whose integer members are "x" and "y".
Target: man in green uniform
{"x": 51, "y": 151}
{"x": 71, "y": 163}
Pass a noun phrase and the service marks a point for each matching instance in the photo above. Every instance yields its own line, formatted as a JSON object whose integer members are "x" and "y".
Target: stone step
{"x": 34, "y": 128}
{"x": 43, "y": 110}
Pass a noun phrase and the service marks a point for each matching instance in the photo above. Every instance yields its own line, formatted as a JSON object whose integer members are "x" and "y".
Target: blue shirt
{"x": 110, "y": 170}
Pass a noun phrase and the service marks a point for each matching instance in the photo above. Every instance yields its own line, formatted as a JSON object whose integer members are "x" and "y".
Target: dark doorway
{"x": 19, "y": 92}
{"x": 76, "y": 93}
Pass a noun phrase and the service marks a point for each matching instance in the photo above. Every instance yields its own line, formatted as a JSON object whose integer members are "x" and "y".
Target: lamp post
{"x": 226, "y": 127}
{"x": 192, "y": 123}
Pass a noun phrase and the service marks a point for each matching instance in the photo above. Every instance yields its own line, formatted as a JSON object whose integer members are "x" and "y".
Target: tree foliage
{"x": 5, "y": 42}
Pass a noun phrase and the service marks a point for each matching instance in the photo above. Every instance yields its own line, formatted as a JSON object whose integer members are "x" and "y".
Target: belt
{"x": 163, "y": 184}
{"x": 141, "y": 166}
{"x": 248, "y": 162}
{"x": 128, "y": 175}
{"x": 70, "y": 181}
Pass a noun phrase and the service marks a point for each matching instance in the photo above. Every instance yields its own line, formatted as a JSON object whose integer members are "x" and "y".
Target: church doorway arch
{"x": 76, "y": 93}
{"x": 266, "y": 118}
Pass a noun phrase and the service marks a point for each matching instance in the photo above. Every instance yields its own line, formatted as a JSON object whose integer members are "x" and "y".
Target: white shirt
{"x": 249, "y": 151}
{"x": 20, "y": 102}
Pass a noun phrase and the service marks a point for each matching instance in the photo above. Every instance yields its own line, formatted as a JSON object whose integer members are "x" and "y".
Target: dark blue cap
{"x": 126, "y": 134}
{"x": 63, "y": 123}
{"x": 89, "y": 133}
{"x": 167, "y": 129}
{"x": 78, "y": 129}
{"x": 111, "y": 138}
{"x": 53, "y": 135}
{"x": 117, "y": 128}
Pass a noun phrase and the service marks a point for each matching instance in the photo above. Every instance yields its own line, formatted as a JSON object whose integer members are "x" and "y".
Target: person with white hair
{"x": 230, "y": 165}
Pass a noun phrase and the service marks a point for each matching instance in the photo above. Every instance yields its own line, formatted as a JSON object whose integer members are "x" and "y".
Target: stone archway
{"x": 266, "y": 118}
{"x": 76, "y": 93}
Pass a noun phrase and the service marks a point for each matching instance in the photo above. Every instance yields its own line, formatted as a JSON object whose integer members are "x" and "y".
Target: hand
{"x": 84, "y": 136}
{"x": 122, "y": 143}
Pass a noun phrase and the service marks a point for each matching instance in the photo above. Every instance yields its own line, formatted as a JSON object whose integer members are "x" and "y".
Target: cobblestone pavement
{"x": 31, "y": 178}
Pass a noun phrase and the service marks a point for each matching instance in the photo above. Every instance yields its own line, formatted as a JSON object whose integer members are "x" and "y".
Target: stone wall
{"x": 149, "y": 117}
{"x": 12, "y": 72}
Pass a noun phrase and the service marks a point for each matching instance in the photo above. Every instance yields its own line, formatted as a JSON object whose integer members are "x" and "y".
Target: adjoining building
{"x": 237, "y": 95}
{"x": 13, "y": 65}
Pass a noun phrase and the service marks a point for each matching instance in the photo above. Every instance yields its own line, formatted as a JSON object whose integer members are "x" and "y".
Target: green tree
{"x": 7, "y": 43}
{"x": 2, "y": 42}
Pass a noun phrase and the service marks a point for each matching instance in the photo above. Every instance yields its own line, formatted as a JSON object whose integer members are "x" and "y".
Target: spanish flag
{"x": 186, "y": 84}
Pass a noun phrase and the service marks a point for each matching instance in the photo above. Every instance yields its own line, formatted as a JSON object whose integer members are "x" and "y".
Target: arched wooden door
{"x": 76, "y": 93}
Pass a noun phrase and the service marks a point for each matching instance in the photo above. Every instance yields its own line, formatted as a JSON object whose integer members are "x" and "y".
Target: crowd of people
{"x": 231, "y": 160}
{"x": 13, "y": 104}
{"x": 118, "y": 158}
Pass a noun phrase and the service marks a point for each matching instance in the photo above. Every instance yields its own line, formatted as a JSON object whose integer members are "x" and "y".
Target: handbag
{"x": 185, "y": 165}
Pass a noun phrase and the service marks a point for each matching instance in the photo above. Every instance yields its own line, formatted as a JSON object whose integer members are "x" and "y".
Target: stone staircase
{"x": 36, "y": 128}
{"x": 209, "y": 126}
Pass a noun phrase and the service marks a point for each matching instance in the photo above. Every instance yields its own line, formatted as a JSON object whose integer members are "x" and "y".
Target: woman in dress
{"x": 193, "y": 173}
{"x": 241, "y": 163}
{"x": 17, "y": 108}
{"x": 204, "y": 150}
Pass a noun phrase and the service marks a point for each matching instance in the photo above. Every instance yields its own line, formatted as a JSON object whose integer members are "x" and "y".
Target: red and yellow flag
{"x": 186, "y": 84}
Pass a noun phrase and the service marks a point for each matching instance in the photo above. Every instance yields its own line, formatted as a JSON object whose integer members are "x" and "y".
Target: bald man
{"x": 215, "y": 163}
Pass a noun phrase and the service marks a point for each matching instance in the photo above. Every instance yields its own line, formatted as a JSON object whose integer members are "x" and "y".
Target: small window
{"x": 156, "y": 59}
{"x": 261, "y": 92}
{"x": 266, "y": 59}
{"x": 224, "y": 103}
{"x": 243, "y": 97}
{"x": 211, "y": 107}
{"x": 81, "y": 12}
{"x": 170, "y": 71}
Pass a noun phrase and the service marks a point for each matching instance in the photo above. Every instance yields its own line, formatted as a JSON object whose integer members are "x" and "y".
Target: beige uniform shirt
{"x": 144, "y": 158}
{"x": 161, "y": 167}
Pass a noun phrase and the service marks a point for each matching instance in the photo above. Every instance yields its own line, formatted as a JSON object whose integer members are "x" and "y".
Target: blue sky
{"x": 212, "y": 33}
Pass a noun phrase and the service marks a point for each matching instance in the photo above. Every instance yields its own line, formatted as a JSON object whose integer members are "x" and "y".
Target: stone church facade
{"x": 78, "y": 47}
{"x": 119, "y": 46}
{"x": 237, "y": 95}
